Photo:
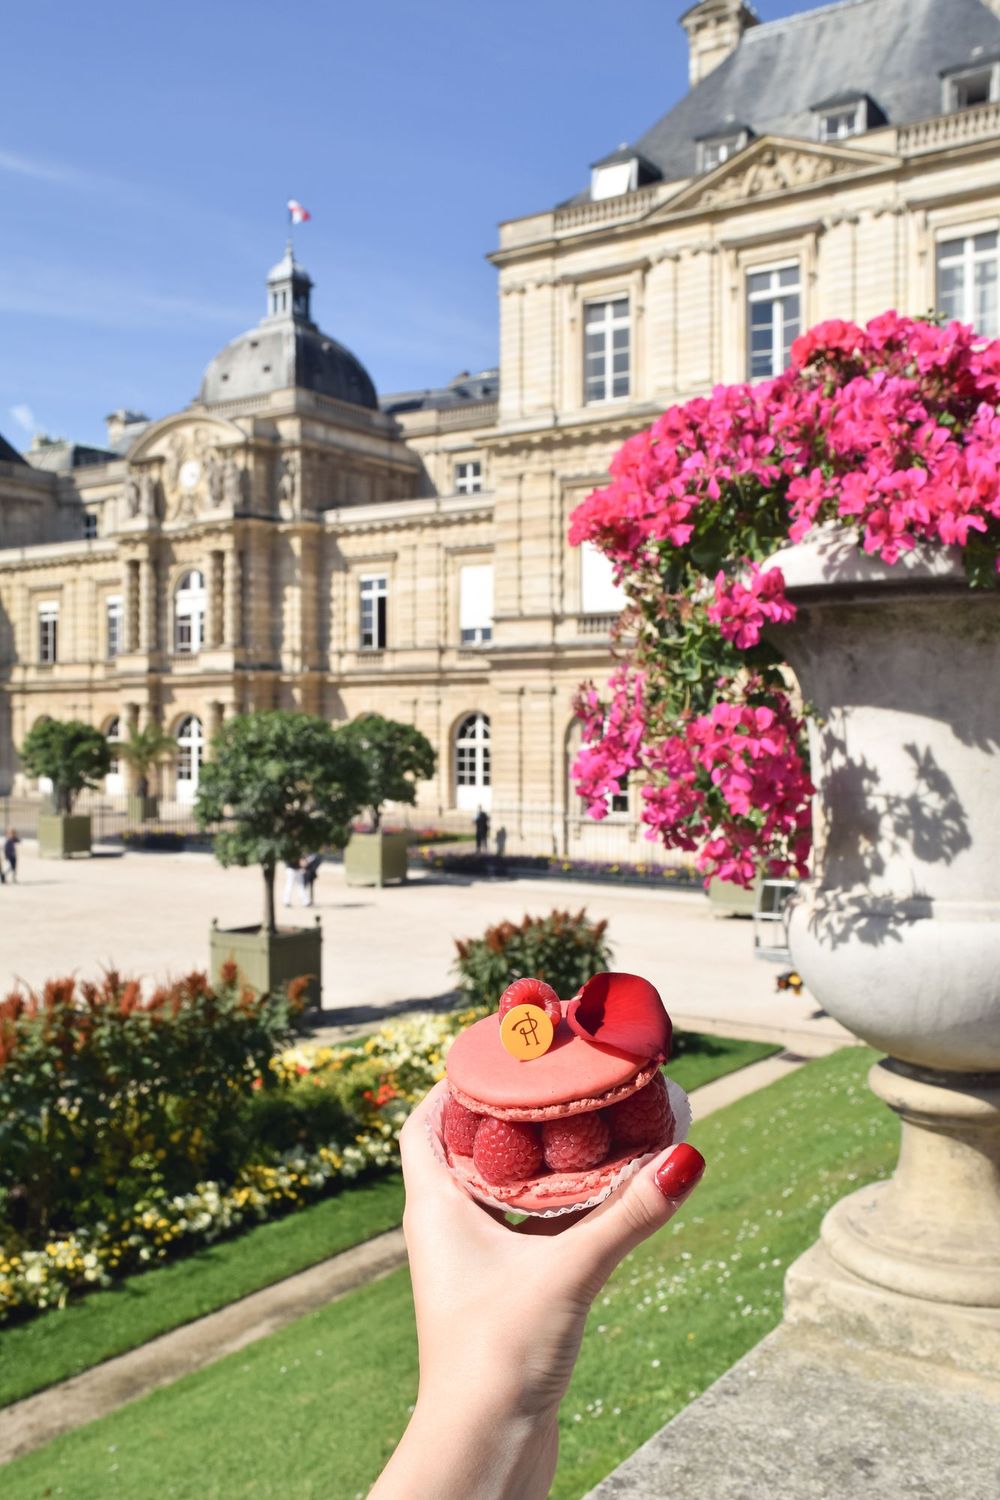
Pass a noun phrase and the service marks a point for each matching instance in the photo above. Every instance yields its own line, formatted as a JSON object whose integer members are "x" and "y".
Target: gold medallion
{"x": 526, "y": 1032}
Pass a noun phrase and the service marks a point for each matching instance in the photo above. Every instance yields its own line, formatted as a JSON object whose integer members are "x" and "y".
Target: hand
{"x": 500, "y": 1313}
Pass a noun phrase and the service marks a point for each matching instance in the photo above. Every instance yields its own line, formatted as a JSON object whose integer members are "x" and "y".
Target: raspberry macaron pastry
{"x": 551, "y": 1104}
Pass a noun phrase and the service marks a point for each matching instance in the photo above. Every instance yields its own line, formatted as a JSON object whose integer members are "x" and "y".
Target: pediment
{"x": 193, "y": 430}
{"x": 772, "y": 167}
{"x": 188, "y": 465}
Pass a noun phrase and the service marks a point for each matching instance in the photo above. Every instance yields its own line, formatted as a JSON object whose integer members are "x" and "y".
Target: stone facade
{"x": 330, "y": 554}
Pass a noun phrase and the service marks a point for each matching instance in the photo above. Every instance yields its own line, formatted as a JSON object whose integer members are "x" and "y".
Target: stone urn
{"x": 897, "y": 934}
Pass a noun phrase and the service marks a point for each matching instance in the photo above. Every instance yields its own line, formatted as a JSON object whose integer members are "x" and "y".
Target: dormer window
{"x": 970, "y": 85}
{"x": 844, "y": 115}
{"x": 620, "y": 172}
{"x": 719, "y": 145}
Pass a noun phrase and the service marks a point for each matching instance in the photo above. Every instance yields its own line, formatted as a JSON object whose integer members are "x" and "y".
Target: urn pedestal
{"x": 897, "y": 934}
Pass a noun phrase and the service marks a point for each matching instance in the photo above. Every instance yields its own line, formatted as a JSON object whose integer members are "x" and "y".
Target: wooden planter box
{"x": 375, "y": 858}
{"x": 268, "y": 960}
{"x": 61, "y": 835}
{"x": 143, "y": 809}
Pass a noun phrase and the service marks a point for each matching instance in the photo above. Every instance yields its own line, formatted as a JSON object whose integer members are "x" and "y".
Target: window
{"x": 967, "y": 87}
{"x": 613, "y": 179}
{"x": 472, "y": 762}
{"x": 599, "y": 594}
{"x": 374, "y": 600}
{"x": 837, "y": 124}
{"x": 113, "y": 625}
{"x": 475, "y": 604}
{"x": 967, "y": 281}
{"x": 89, "y": 525}
{"x": 48, "y": 634}
{"x": 773, "y": 318}
{"x": 713, "y": 153}
{"x": 619, "y": 799}
{"x": 190, "y": 752}
{"x": 189, "y": 613}
{"x": 606, "y": 350}
{"x": 113, "y": 781}
{"x": 469, "y": 478}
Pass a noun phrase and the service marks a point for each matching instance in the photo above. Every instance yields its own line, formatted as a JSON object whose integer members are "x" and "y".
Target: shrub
{"x": 105, "y": 1093}
{"x": 563, "y": 949}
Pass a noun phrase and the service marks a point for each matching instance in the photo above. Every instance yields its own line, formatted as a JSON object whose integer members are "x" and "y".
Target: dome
{"x": 287, "y": 349}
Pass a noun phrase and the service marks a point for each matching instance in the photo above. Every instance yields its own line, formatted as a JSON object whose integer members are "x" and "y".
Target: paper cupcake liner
{"x": 680, "y": 1104}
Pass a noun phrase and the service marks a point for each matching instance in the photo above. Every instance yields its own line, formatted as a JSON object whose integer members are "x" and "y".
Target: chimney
{"x": 714, "y": 29}
{"x": 119, "y": 421}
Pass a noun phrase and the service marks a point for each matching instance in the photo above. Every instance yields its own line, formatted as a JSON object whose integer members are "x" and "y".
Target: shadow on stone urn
{"x": 897, "y": 934}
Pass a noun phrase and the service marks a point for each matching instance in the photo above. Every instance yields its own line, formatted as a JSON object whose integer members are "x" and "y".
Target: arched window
{"x": 114, "y": 782}
{"x": 189, "y": 612}
{"x": 472, "y": 762}
{"x": 190, "y": 752}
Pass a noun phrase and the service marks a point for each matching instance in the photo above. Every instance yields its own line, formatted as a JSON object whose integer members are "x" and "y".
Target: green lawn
{"x": 314, "y": 1410}
{"x": 52, "y": 1347}
{"x": 58, "y": 1344}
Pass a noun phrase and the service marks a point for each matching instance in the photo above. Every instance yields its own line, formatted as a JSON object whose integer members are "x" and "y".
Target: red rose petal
{"x": 624, "y": 1012}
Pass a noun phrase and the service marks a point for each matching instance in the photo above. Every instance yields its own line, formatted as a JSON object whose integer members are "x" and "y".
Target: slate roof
{"x": 9, "y": 455}
{"x": 462, "y": 391}
{"x": 892, "y": 50}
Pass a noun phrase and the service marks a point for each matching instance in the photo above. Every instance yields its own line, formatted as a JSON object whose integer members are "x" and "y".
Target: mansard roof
{"x": 893, "y": 51}
{"x": 8, "y": 454}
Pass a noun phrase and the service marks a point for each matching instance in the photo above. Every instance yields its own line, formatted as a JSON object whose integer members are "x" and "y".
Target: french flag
{"x": 296, "y": 213}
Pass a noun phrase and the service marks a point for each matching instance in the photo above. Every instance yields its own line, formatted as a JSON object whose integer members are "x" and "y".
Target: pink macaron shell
{"x": 573, "y": 1075}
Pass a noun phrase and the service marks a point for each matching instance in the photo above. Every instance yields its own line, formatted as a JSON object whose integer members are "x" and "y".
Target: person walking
{"x": 10, "y": 844}
{"x": 295, "y": 881}
{"x": 309, "y": 872}
{"x": 482, "y": 827}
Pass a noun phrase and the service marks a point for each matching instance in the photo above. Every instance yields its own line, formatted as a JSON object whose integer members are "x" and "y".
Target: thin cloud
{"x": 24, "y": 417}
{"x": 64, "y": 292}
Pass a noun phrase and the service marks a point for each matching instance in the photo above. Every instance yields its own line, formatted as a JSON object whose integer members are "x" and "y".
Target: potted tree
{"x": 74, "y": 757}
{"x": 143, "y": 751}
{"x": 279, "y": 786}
{"x": 396, "y": 756}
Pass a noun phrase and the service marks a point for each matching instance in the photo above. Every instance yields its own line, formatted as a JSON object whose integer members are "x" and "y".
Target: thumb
{"x": 635, "y": 1211}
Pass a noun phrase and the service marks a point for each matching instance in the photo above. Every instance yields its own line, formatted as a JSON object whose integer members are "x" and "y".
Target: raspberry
{"x": 506, "y": 1150}
{"x": 576, "y": 1142}
{"x": 532, "y": 992}
{"x": 460, "y": 1126}
{"x": 644, "y": 1120}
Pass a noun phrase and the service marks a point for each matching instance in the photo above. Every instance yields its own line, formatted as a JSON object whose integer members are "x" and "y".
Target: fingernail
{"x": 681, "y": 1170}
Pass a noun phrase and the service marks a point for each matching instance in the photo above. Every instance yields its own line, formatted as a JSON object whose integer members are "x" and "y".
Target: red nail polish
{"x": 680, "y": 1171}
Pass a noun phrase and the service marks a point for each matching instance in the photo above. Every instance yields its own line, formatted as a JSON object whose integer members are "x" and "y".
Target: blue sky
{"x": 147, "y": 152}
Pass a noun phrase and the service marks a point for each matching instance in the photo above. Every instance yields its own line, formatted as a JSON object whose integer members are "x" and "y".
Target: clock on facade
{"x": 189, "y": 474}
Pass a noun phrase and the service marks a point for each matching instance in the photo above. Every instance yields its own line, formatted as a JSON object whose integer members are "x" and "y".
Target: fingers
{"x": 632, "y": 1213}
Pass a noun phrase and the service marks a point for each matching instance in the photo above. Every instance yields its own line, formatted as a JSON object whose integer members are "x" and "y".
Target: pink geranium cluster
{"x": 892, "y": 430}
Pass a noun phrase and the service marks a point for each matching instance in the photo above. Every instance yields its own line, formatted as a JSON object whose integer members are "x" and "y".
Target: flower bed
{"x": 377, "y": 1083}
{"x": 555, "y": 867}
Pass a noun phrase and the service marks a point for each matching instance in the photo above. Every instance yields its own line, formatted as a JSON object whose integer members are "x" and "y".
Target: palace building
{"x": 291, "y": 540}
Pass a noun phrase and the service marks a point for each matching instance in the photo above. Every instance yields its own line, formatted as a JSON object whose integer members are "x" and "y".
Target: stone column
{"x": 215, "y": 599}
{"x": 232, "y": 626}
{"x": 131, "y": 603}
{"x": 148, "y": 605}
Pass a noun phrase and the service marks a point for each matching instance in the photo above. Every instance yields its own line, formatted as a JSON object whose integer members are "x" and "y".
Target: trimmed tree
{"x": 144, "y": 750}
{"x": 280, "y": 786}
{"x": 73, "y": 755}
{"x": 396, "y": 756}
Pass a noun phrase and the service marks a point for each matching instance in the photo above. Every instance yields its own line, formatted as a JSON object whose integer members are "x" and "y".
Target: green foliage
{"x": 73, "y": 755}
{"x": 144, "y": 749}
{"x": 282, "y": 786}
{"x": 106, "y": 1094}
{"x": 395, "y": 757}
{"x": 563, "y": 949}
